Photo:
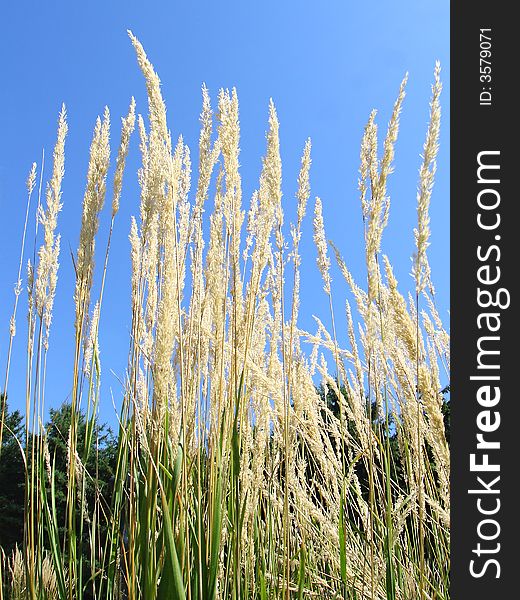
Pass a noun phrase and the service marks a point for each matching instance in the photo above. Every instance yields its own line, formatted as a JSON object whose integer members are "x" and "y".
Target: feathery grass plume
{"x": 51, "y": 291}
{"x": 30, "y": 290}
{"x": 278, "y": 198}
{"x": 368, "y": 157}
{"x": 93, "y": 202}
{"x": 127, "y": 128}
{"x": 360, "y": 295}
{"x": 144, "y": 178}
{"x": 269, "y": 198}
{"x": 184, "y": 220}
{"x": 252, "y": 216}
{"x": 157, "y": 108}
{"x": 304, "y": 189}
{"x": 302, "y": 195}
{"x": 320, "y": 241}
{"x": 402, "y": 320}
{"x": 149, "y": 255}
{"x": 426, "y": 179}
{"x": 17, "y": 573}
{"x": 208, "y": 153}
{"x": 128, "y": 124}
{"x": 167, "y": 324}
{"x": 376, "y": 208}
{"x": 229, "y": 137}
{"x": 31, "y": 179}
{"x": 48, "y": 579}
{"x": 135, "y": 255}
{"x": 159, "y": 181}
{"x": 92, "y": 341}
{"x": 272, "y": 171}
{"x": 269, "y": 193}
{"x": 442, "y": 336}
{"x": 48, "y": 217}
{"x": 208, "y": 156}
{"x": 388, "y": 149}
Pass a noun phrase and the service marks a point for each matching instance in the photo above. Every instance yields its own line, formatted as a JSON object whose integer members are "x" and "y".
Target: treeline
{"x": 16, "y": 449}
{"x": 101, "y": 464}
{"x": 17, "y": 446}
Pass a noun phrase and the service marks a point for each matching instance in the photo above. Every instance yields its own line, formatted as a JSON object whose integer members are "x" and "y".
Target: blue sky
{"x": 325, "y": 64}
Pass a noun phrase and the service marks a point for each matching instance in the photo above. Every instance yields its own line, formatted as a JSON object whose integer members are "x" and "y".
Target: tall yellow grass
{"x": 237, "y": 477}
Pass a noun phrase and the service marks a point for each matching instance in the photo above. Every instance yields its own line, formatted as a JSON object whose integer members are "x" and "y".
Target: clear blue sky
{"x": 325, "y": 64}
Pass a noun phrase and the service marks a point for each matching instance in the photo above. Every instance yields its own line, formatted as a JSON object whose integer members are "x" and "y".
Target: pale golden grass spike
{"x": 302, "y": 195}
{"x": 403, "y": 322}
{"x": 31, "y": 179}
{"x": 128, "y": 124}
{"x": 156, "y": 104}
{"x": 168, "y": 309}
{"x": 320, "y": 241}
{"x": 269, "y": 198}
{"x": 93, "y": 202}
{"x": 208, "y": 153}
{"x": 360, "y": 295}
{"x": 368, "y": 156}
{"x": 51, "y": 291}
{"x": 48, "y": 217}
{"x": 304, "y": 186}
{"x": 427, "y": 171}
{"x": 92, "y": 341}
{"x": 389, "y": 151}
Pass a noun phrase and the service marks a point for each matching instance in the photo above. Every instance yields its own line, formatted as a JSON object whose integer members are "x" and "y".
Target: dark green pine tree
{"x": 12, "y": 479}
{"x": 100, "y": 464}
{"x": 100, "y": 467}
